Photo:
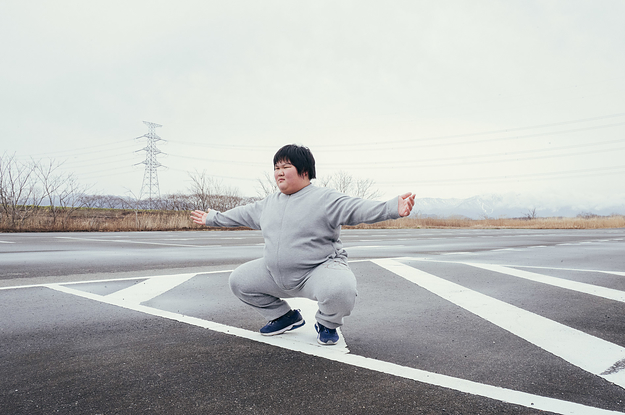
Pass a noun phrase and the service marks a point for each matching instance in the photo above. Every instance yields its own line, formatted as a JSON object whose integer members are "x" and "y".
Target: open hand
{"x": 199, "y": 217}
{"x": 406, "y": 202}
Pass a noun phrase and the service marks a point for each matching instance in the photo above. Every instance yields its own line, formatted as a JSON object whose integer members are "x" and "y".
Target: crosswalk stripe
{"x": 150, "y": 288}
{"x": 587, "y": 352}
{"x": 327, "y": 352}
{"x": 581, "y": 287}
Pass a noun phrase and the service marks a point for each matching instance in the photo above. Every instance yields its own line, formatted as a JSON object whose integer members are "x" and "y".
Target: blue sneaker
{"x": 290, "y": 321}
{"x": 326, "y": 336}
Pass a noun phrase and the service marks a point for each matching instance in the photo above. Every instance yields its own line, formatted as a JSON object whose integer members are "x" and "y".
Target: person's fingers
{"x": 198, "y": 216}
{"x": 406, "y": 203}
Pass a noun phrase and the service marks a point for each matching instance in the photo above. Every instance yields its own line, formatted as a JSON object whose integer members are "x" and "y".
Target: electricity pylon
{"x": 150, "y": 187}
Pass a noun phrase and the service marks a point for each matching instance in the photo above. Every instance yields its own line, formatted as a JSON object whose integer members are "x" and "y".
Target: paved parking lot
{"x": 447, "y": 321}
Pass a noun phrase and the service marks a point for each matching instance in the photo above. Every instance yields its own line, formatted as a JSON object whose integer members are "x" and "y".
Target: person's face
{"x": 287, "y": 178}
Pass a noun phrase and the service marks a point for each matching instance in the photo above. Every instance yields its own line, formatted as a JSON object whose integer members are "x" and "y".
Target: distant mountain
{"x": 510, "y": 206}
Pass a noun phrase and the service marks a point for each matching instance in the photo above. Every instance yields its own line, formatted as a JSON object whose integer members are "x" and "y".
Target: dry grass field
{"x": 120, "y": 220}
{"x": 600, "y": 222}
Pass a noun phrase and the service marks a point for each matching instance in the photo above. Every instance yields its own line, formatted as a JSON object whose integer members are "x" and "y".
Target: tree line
{"x": 34, "y": 187}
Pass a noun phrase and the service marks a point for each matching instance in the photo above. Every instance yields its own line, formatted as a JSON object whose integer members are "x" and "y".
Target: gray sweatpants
{"x": 332, "y": 284}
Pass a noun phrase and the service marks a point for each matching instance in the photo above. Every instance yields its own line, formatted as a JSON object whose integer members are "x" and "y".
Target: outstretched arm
{"x": 199, "y": 217}
{"x": 405, "y": 204}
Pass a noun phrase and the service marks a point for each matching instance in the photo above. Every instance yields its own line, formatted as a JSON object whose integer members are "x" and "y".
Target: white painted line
{"x": 309, "y": 308}
{"x": 621, "y": 273}
{"x": 135, "y": 242}
{"x": 581, "y": 287}
{"x": 149, "y": 289}
{"x": 286, "y": 341}
{"x": 458, "y": 253}
{"x": 6, "y": 242}
{"x": 587, "y": 352}
{"x": 370, "y": 247}
{"x": 16, "y": 287}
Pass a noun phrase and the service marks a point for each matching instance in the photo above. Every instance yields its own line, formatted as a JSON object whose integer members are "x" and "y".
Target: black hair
{"x": 299, "y": 156}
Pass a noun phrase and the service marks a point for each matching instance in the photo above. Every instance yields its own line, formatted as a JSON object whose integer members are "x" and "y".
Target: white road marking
{"x": 621, "y": 273}
{"x": 587, "y": 352}
{"x": 408, "y": 258}
{"x": 370, "y": 246}
{"x": 309, "y": 308}
{"x": 581, "y": 287}
{"x": 135, "y": 242}
{"x": 149, "y": 289}
{"x": 287, "y": 341}
{"x": 6, "y": 242}
{"x": 15, "y": 287}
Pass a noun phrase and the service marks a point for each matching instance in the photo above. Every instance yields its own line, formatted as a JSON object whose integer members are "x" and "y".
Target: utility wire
{"x": 533, "y": 176}
{"x": 419, "y": 139}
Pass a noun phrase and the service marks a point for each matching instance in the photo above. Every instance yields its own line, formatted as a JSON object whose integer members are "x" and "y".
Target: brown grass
{"x": 600, "y": 222}
{"x": 118, "y": 220}
{"x": 103, "y": 220}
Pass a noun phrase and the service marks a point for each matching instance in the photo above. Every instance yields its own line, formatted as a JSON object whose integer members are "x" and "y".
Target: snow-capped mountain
{"x": 511, "y": 206}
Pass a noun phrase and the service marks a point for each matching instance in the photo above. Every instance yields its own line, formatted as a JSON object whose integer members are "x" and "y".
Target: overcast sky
{"x": 446, "y": 99}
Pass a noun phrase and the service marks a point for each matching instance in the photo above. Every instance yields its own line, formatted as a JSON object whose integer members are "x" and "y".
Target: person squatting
{"x": 303, "y": 254}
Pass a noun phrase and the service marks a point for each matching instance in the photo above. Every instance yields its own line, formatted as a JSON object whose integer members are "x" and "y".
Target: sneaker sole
{"x": 293, "y": 326}
{"x": 328, "y": 343}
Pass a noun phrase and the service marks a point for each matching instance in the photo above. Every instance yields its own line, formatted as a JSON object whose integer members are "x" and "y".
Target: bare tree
{"x": 324, "y": 181}
{"x": 364, "y": 189}
{"x": 531, "y": 214}
{"x": 70, "y": 197}
{"x": 208, "y": 193}
{"x": 177, "y": 201}
{"x": 342, "y": 181}
{"x": 267, "y": 186}
{"x": 62, "y": 191}
{"x": 202, "y": 189}
{"x": 92, "y": 201}
{"x": 19, "y": 196}
{"x": 346, "y": 183}
{"x": 587, "y": 215}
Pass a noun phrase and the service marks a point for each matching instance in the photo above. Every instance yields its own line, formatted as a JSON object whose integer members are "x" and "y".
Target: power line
{"x": 385, "y": 142}
{"x": 48, "y": 153}
{"x": 480, "y": 158}
{"x": 530, "y": 177}
{"x": 488, "y": 140}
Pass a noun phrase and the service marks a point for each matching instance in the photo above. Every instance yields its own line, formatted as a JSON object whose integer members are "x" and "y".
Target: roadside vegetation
{"x": 125, "y": 220}
{"x": 579, "y": 222}
{"x": 37, "y": 196}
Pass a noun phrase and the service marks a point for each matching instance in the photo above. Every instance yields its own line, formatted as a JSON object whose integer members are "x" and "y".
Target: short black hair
{"x": 299, "y": 156}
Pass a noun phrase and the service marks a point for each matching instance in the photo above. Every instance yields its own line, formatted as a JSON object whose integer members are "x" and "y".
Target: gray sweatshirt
{"x": 302, "y": 230}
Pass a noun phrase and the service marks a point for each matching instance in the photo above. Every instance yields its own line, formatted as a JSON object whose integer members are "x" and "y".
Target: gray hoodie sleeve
{"x": 248, "y": 215}
{"x": 346, "y": 210}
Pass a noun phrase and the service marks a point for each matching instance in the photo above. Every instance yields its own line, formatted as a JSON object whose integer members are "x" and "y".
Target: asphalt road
{"x": 446, "y": 322}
